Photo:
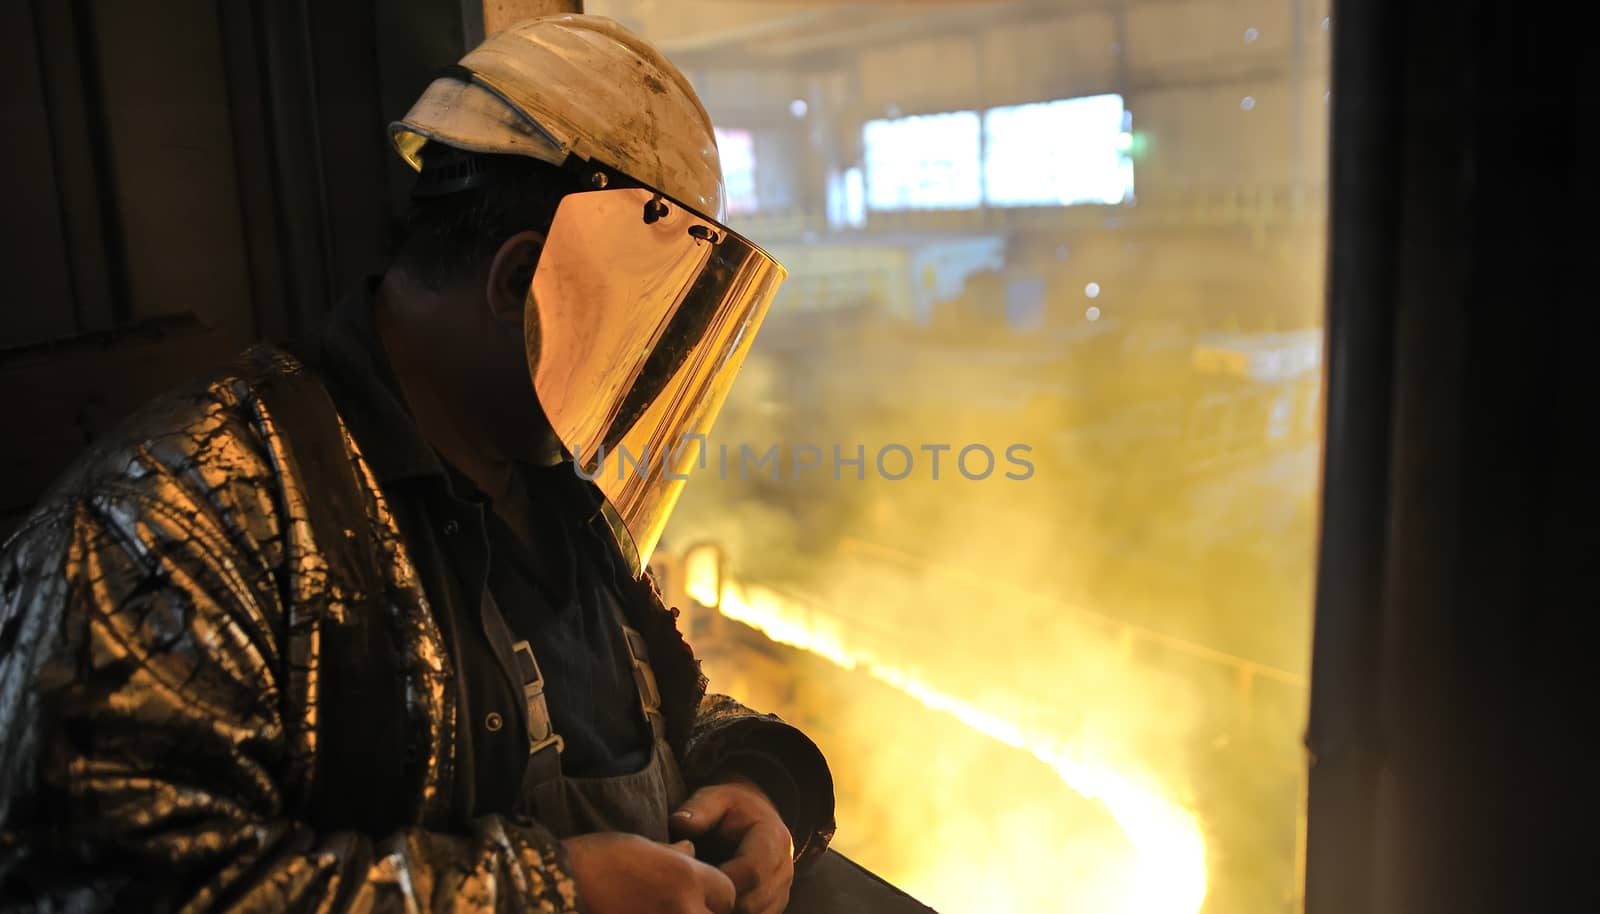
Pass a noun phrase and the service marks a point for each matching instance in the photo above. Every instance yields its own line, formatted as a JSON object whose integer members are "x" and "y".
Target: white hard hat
{"x": 555, "y": 86}
{"x": 643, "y": 304}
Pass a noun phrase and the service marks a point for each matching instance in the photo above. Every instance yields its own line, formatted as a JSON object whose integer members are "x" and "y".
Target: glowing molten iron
{"x": 1169, "y": 873}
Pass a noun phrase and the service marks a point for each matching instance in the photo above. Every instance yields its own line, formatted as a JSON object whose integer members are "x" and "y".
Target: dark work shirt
{"x": 557, "y": 593}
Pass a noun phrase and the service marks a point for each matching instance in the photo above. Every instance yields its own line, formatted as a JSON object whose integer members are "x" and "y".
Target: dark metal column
{"x": 1450, "y": 697}
{"x": 1363, "y": 238}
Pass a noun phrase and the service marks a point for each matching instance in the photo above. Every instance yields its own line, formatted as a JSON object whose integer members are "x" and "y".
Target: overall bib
{"x": 639, "y": 803}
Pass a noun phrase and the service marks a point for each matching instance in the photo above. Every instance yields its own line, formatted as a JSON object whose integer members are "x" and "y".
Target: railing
{"x": 1131, "y": 639}
{"x": 1130, "y": 636}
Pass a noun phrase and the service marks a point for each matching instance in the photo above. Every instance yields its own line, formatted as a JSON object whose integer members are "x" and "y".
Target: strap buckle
{"x": 541, "y": 735}
{"x": 644, "y": 679}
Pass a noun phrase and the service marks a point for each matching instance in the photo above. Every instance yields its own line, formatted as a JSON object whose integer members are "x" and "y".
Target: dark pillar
{"x": 1450, "y": 698}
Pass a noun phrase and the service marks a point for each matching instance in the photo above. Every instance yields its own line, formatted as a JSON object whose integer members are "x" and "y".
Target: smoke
{"x": 1097, "y": 602}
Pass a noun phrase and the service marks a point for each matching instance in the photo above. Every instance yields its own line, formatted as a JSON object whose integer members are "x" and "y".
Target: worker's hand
{"x": 628, "y": 874}
{"x": 762, "y": 868}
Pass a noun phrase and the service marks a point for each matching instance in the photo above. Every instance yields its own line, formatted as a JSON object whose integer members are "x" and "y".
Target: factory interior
{"x": 1135, "y": 489}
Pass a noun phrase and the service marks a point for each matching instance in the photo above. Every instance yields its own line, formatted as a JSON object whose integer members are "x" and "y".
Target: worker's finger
{"x": 703, "y": 810}
{"x": 716, "y": 887}
{"x": 762, "y": 870}
{"x": 745, "y": 872}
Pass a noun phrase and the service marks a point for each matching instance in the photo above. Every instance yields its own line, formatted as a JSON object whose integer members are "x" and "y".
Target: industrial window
{"x": 738, "y": 152}
{"x": 926, "y": 162}
{"x": 1060, "y": 153}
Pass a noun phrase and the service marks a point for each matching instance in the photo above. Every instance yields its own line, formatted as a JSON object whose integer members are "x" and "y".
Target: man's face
{"x": 500, "y": 362}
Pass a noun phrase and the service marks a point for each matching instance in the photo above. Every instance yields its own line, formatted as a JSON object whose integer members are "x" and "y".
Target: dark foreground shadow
{"x": 835, "y": 884}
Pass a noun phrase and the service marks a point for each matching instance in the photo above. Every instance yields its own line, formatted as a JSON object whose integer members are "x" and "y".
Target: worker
{"x": 365, "y": 624}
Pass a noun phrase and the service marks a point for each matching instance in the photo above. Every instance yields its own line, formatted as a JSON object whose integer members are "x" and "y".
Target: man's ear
{"x": 511, "y": 273}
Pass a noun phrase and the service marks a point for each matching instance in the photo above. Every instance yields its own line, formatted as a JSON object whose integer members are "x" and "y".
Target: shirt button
{"x": 451, "y": 528}
{"x": 494, "y": 721}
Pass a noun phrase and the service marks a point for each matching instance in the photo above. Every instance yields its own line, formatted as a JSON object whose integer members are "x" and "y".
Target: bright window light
{"x": 738, "y": 152}
{"x": 855, "y": 197}
{"x": 1059, "y": 153}
{"x": 847, "y": 199}
{"x": 927, "y": 162}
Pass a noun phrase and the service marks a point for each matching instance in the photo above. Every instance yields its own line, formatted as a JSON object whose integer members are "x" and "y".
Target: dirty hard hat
{"x": 558, "y": 85}
{"x": 643, "y": 304}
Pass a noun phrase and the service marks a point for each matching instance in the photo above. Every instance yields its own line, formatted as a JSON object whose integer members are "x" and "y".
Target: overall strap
{"x": 644, "y": 678}
{"x": 544, "y": 744}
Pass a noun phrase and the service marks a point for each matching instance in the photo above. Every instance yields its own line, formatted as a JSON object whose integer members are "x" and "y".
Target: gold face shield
{"x": 639, "y": 316}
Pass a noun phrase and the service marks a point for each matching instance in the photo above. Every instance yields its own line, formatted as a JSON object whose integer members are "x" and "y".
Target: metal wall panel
{"x": 187, "y": 176}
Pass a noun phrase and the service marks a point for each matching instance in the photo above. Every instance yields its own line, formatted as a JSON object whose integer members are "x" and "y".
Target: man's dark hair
{"x": 465, "y": 205}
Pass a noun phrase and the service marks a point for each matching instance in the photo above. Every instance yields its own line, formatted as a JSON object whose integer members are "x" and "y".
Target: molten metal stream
{"x": 1169, "y": 872}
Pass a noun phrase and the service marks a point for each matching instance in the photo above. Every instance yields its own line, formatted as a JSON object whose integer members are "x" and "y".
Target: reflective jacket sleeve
{"x": 730, "y": 739}
{"x": 145, "y": 762}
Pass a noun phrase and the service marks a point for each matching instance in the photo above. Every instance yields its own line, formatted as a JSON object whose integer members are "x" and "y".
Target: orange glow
{"x": 1168, "y": 874}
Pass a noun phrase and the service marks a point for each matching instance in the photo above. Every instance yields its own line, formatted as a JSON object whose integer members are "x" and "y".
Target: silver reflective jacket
{"x": 170, "y": 619}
